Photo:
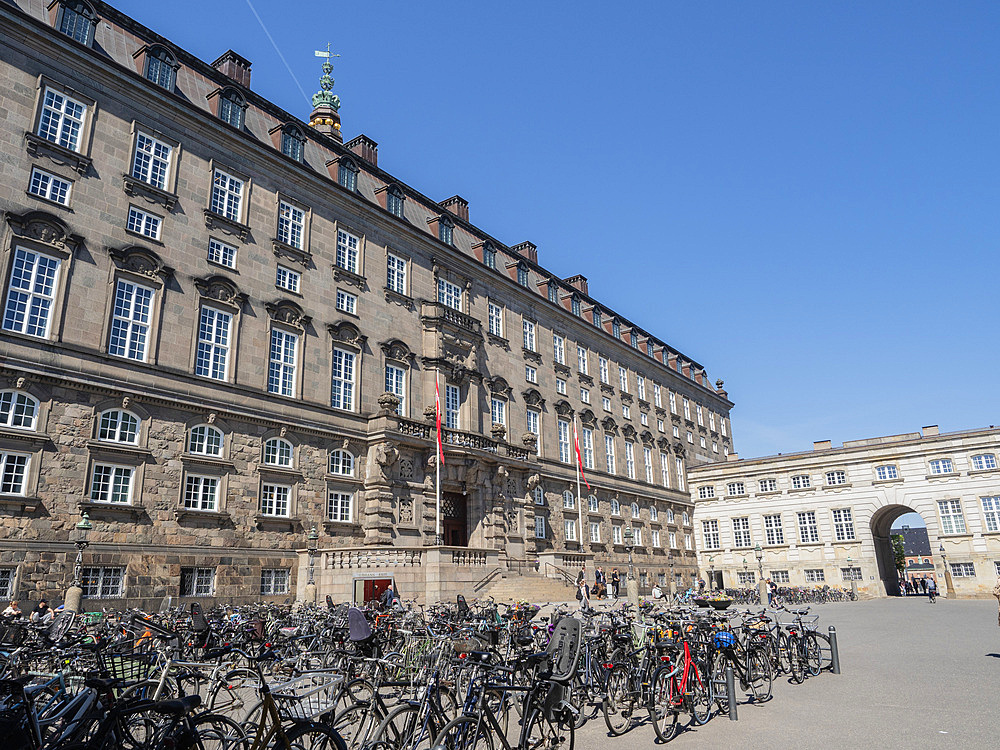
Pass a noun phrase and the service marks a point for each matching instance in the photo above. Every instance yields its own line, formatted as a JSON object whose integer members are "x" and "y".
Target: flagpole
{"x": 579, "y": 502}
{"x": 437, "y": 463}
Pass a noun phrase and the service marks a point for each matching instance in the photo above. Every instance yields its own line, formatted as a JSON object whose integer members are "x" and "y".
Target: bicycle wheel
{"x": 218, "y": 732}
{"x": 404, "y": 728}
{"x": 235, "y": 696}
{"x": 357, "y": 724}
{"x": 663, "y": 714}
{"x": 699, "y": 695}
{"x": 720, "y": 688}
{"x": 759, "y": 676}
{"x": 813, "y": 654}
{"x": 796, "y": 664}
{"x": 546, "y": 732}
{"x": 825, "y": 651}
{"x": 617, "y": 704}
{"x": 784, "y": 661}
{"x": 465, "y": 733}
{"x": 309, "y": 736}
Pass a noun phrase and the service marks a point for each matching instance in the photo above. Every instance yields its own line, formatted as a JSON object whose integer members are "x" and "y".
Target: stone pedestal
{"x": 762, "y": 588}
{"x": 310, "y": 595}
{"x": 74, "y": 595}
{"x": 632, "y": 589}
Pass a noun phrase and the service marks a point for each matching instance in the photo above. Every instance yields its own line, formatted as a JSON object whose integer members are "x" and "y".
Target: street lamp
{"x": 854, "y": 580}
{"x": 711, "y": 572}
{"x": 312, "y": 537}
{"x": 948, "y": 583}
{"x": 83, "y": 528}
{"x": 631, "y": 585}
{"x": 761, "y": 583}
{"x": 629, "y": 537}
{"x": 670, "y": 562}
{"x": 759, "y": 554}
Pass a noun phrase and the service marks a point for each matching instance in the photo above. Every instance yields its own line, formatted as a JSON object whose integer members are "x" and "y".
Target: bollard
{"x": 731, "y": 691}
{"x": 834, "y": 651}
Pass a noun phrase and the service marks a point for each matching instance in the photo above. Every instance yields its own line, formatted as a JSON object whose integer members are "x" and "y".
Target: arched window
{"x": 342, "y": 463}
{"x": 539, "y": 494}
{"x": 205, "y": 440}
{"x": 347, "y": 174}
{"x": 18, "y": 410}
{"x": 569, "y": 499}
{"x": 118, "y": 426}
{"x": 446, "y": 230}
{"x": 77, "y": 20}
{"x": 231, "y": 106}
{"x": 616, "y": 329}
{"x": 616, "y": 508}
{"x": 160, "y": 67}
{"x": 635, "y": 510}
{"x": 522, "y": 274}
{"x": 592, "y": 503}
{"x": 277, "y": 452}
{"x": 575, "y": 304}
{"x": 293, "y": 143}
{"x": 394, "y": 201}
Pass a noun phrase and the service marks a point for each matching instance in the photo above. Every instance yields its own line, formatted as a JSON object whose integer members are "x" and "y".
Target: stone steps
{"x": 531, "y": 587}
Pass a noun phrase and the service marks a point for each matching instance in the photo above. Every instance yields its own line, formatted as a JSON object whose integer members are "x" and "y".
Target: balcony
{"x": 435, "y": 312}
{"x": 462, "y": 440}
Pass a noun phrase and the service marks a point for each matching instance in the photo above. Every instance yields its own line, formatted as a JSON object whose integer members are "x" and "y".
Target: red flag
{"x": 437, "y": 418}
{"x": 579, "y": 458}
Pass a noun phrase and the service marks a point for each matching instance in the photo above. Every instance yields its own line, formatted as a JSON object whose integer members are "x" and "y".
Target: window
{"x": 942, "y": 466}
{"x": 702, "y": 442}
{"x": 347, "y": 251}
{"x": 597, "y": 317}
{"x": 711, "y": 421}
{"x": 637, "y": 537}
{"x": 963, "y": 570}
{"x": 160, "y": 68}
{"x": 539, "y": 494}
{"x": 991, "y": 512}
{"x": 496, "y": 319}
{"x": 347, "y": 175}
{"x": 143, "y": 223}
{"x": 984, "y": 461}
{"x": 653, "y": 513}
{"x": 701, "y": 415}
{"x": 592, "y": 504}
{"x": 529, "y": 335}
{"x": 952, "y": 521}
{"x": 801, "y": 482}
{"x": 635, "y": 510}
{"x": 227, "y": 196}
{"x": 13, "y": 473}
{"x": 808, "y": 530}
{"x": 151, "y": 160}
{"x": 687, "y": 542}
{"x": 231, "y": 108}
{"x": 706, "y": 492}
{"x": 278, "y": 452}
{"x": 204, "y": 440}
{"x": 18, "y": 410}
{"x": 623, "y": 379}
{"x": 595, "y": 532}
{"x": 553, "y": 292}
{"x": 767, "y": 485}
{"x": 616, "y": 329}
{"x": 498, "y": 411}
{"x": 394, "y": 383}
{"x": 221, "y": 253}
{"x": 31, "y": 293}
{"x": 282, "y": 362}
{"x": 341, "y": 463}
{"x": 850, "y": 574}
{"x": 647, "y": 462}
{"x": 489, "y": 257}
{"x": 533, "y": 420}
{"x": 293, "y": 144}
{"x": 887, "y": 471}
{"x": 291, "y": 224}
{"x": 347, "y": 302}
{"x": 564, "y": 451}
{"x": 212, "y": 359}
{"x": 539, "y": 527}
{"x": 626, "y": 411}
{"x": 274, "y": 581}
{"x": 287, "y": 279}
{"x": 690, "y": 437}
{"x": 395, "y": 274}
{"x": 736, "y": 488}
{"x": 452, "y": 401}
{"x": 606, "y": 403}
{"x": 582, "y": 359}
{"x": 616, "y": 508}
{"x": 843, "y": 525}
{"x": 569, "y": 500}
{"x": 609, "y": 452}
{"x": 780, "y": 576}
{"x": 585, "y": 395}
{"x": 342, "y": 387}
{"x": 118, "y": 426}
{"x": 814, "y": 575}
{"x": 111, "y": 484}
{"x": 7, "y": 578}
{"x": 201, "y": 493}
{"x": 836, "y": 477}
{"x": 446, "y": 230}
{"x": 672, "y": 539}
{"x": 48, "y": 186}
{"x": 274, "y": 499}
{"x": 773, "y": 532}
{"x": 664, "y": 470}
{"x": 722, "y": 425}
{"x": 687, "y": 409}
{"x": 522, "y": 274}
{"x": 576, "y": 307}
{"x": 710, "y": 534}
{"x": 62, "y": 120}
{"x": 130, "y": 321}
{"x": 630, "y": 464}
{"x": 588, "y": 449}
{"x": 602, "y": 363}
{"x": 77, "y": 21}
{"x": 686, "y": 518}
{"x": 394, "y": 201}
{"x": 103, "y": 583}
{"x": 616, "y": 534}
{"x": 679, "y": 468}
{"x": 741, "y": 532}
{"x": 640, "y": 387}
{"x": 558, "y": 349}
{"x": 339, "y": 506}
{"x": 746, "y": 578}
{"x": 197, "y": 581}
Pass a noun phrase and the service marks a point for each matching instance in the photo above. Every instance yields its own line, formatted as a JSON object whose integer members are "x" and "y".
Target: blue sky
{"x": 801, "y": 196}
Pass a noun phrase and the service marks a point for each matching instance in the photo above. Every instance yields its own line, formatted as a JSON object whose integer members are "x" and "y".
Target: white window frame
{"x": 991, "y": 512}
{"x": 773, "y": 531}
{"x": 630, "y": 459}
{"x": 275, "y": 500}
{"x": 277, "y": 451}
{"x": 540, "y": 527}
{"x": 710, "y": 533}
{"x": 347, "y": 302}
{"x": 287, "y": 279}
{"x": 143, "y": 223}
{"x": 528, "y": 330}
{"x": 201, "y": 492}
{"x": 602, "y": 363}
{"x": 533, "y": 424}
{"x": 452, "y": 406}
{"x": 221, "y": 253}
{"x": 623, "y": 379}
{"x": 282, "y": 363}
{"x": 131, "y": 313}
{"x": 14, "y": 467}
{"x": 103, "y": 582}
{"x": 836, "y": 477}
{"x": 558, "y": 349}
{"x": 49, "y": 187}
{"x": 984, "y": 462}
{"x": 942, "y": 466}
{"x": 63, "y": 119}
{"x": 111, "y": 484}
{"x": 449, "y": 294}
{"x": 395, "y": 383}
{"x": 31, "y": 295}
{"x": 886, "y": 472}
{"x": 339, "y": 506}
{"x": 742, "y": 538}
{"x": 952, "y": 517}
{"x": 343, "y": 378}
{"x": 609, "y": 453}
{"x": 348, "y": 251}
{"x": 595, "y": 532}
{"x": 152, "y": 160}
{"x": 201, "y": 580}
{"x": 495, "y": 319}
{"x": 215, "y": 337}
{"x": 228, "y": 193}
{"x": 562, "y": 430}
{"x": 396, "y": 273}
{"x": 18, "y": 410}
{"x": 341, "y": 463}
{"x": 808, "y": 527}
{"x": 768, "y": 484}
{"x": 582, "y": 360}
{"x": 275, "y": 581}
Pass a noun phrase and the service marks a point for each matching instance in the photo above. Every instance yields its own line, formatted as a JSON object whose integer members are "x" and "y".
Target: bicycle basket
{"x": 15, "y": 721}
{"x": 725, "y": 639}
{"x": 309, "y": 697}
{"x": 134, "y": 667}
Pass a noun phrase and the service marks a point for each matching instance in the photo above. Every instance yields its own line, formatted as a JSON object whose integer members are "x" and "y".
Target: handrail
{"x": 486, "y": 579}
{"x": 462, "y": 439}
{"x": 560, "y": 573}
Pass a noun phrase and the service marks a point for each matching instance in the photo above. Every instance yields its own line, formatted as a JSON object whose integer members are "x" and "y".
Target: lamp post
{"x": 75, "y": 593}
{"x": 761, "y": 583}
{"x": 631, "y": 585}
{"x": 948, "y": 583}
{"x": 711, "y": 572}
{"x": 673, "y": 582}
{"x": 312, "y": 537}
{"x": 854, "y": 581}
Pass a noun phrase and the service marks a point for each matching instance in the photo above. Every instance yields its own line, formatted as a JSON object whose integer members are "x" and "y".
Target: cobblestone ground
{"x": 915, "y": 675}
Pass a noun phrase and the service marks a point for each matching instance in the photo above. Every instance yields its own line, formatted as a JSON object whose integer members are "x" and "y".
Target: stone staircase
{"x": 530, "y": 586}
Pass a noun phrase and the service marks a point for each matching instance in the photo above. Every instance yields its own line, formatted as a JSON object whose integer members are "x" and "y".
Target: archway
{"x": 881, "y": 529}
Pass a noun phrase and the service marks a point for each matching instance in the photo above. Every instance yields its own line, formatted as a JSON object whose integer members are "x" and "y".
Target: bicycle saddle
{"x": 177, "y": 707}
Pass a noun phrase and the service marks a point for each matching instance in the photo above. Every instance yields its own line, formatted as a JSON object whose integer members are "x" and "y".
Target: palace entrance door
{"x": 454, "y": 519}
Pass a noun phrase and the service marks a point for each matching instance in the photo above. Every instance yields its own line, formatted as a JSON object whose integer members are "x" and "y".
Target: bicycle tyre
{"x": 663, "y": 715}
{"x": 720, "y": 688}
{"x": 218, "y": 732}
{"x": 813, "y": 655}
{"x": 356, "y": 724}
{"x": 399, "y": 726}
{"x": 309, "y": 735}
{"x": 797, "y": 665}
{"x": 759, "y": 676}
{"x": 465, "y": 733}
{"x": 549, "y": 733}
{"x": 617, "y": 704}
{"x": 700, "y": 695}
{"x": 826, "y": 651}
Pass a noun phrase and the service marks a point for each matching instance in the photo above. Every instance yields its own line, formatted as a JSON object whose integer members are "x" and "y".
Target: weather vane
{"x": 326, "y": 81}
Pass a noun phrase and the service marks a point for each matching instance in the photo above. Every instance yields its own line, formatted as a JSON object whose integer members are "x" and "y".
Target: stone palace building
{"x": 221, "y": 331}
{"x": 824, "y": 516}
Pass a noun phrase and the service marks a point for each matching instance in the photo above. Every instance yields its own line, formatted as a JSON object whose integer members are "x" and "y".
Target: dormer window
{"x": 489, "y": 257}
{"x": 394, "y": 201}
{"x": 634, "y": 339}
{"x": 293, "y": 143}
{"x": 231, "y": 108}
{"x": 575, "y": 304}
{"x": 616, "y": 329}
{"x": 649, "y": 348}
{"x": 522, "y": 274}
{"x": 597, "y": 317}
{"x": 160, "y": 68}
{"x": 77, "y": 20}
{"x": 347, "y": 174}
{"x": 553, "y": 292}
{"x": 446, "y": 230}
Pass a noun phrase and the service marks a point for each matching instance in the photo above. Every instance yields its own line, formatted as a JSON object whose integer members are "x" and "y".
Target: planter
{"x": 720, "y": 604}
{"x": 701, "y": 602}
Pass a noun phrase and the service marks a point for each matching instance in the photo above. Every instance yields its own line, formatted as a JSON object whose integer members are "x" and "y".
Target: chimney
{"x": 733, "y": 457}
{"x": 527, "y": 250}
{"x": 457, "y": 205}
{"x": 234, "y": 66}
{"x": 578, "y": 282}
{"x": 930, "y": 431}
{"x": 822, "y": 445}
{"x": 365, "y": 148}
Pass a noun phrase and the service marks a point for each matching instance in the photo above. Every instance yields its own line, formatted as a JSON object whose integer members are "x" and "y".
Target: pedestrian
{"x": 909, "y": 587}
{"x": 923, "y": 584}
{"x": 41, "y": 614}
{"x": 772, "y": 591}
{"x": 389, "y": 597}
{"x": 902, "y": 587}
{"x": 931, "y": 590}
{"x": 615, "y": 583}
{"x": 600, "y": 587}
{"x": 996, "y": 593}
{"x": 583, "y": 594}
{"x": 12, "y": 610}
{"x": 701, "y": 585}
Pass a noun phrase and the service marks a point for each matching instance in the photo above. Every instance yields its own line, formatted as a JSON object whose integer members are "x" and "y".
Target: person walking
{"x": 931, "y": 590}
{"x": 772, "y": 591}
{"x": 615, "y": 582}
{"x": 583, "y": 594}
{"x": 923, "y": 585}
{"x": 600, "y": 586}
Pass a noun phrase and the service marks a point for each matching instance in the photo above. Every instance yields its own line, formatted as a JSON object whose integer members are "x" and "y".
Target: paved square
{"x": 915, "y": 675}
